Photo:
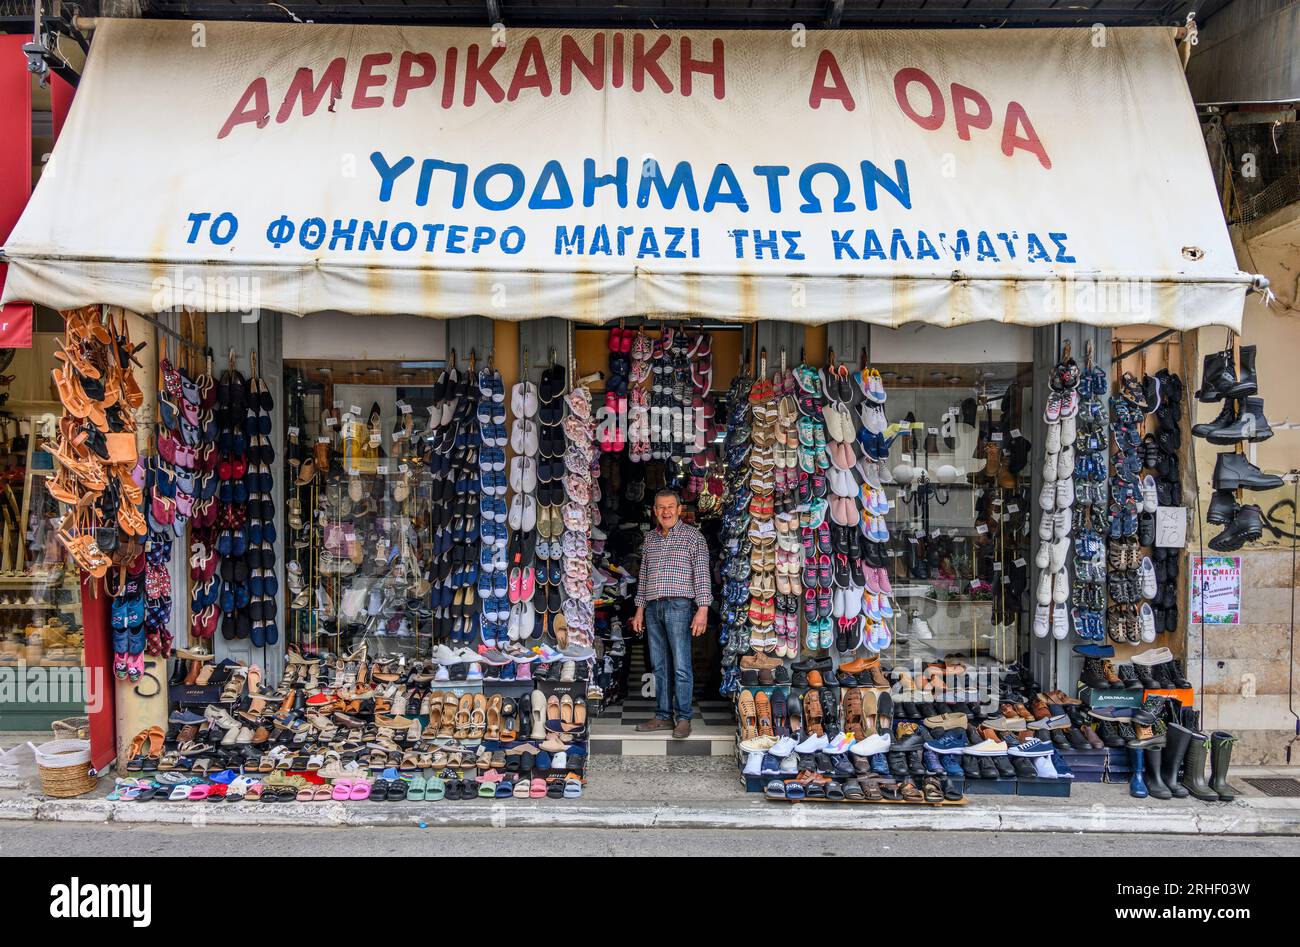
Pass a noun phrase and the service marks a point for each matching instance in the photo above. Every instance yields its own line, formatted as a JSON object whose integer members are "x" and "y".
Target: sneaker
{"x": 1060, "y": 623}
{"x": 1042, "y": 620}
{"x": 1150, "y": 498}
{"x": 814, "y": 744}
{"x": 952, "y": 741}
{"x": 1147, "y": 576}
{"x": 1146, "y": 624}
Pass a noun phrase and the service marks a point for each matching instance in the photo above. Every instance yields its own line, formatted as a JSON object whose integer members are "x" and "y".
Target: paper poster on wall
{"x": 1216, "y": 590}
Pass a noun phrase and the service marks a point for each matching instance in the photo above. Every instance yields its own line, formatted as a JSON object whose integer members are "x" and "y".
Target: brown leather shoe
{"x": 653, "y": 724}
{"x": 682, "y": 730}
{"x": 759, "y": 662}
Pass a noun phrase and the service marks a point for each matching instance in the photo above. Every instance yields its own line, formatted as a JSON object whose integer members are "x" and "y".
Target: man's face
{"x": 667, "y": 510}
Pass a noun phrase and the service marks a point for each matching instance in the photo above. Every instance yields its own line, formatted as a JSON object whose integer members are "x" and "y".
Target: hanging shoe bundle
{"x": 1088, "y": 433}
{"x": 581, "y": 466}
{"x": 1241, "y": 421}
{"x": 1129, "y": 408}
{"x": 458, "y": 515}
{"x": 1056, "y": 500}
{"x": 95, "y": 443}
{"x": 493, "y": 576}
{"x": 1161, "y": 486}
{"x": 529, "y": 589}
{"x": 612, "y": 432}
{"x": 734, "y": 537}
{"x": 263, "y": 585}
{"x": 547, "y": 514}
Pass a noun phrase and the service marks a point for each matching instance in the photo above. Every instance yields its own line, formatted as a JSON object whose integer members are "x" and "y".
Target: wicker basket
{"x": 71, "y": 728}
{"x": 64, "y": 766}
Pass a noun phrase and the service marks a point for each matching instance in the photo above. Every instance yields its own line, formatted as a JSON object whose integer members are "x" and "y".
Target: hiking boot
{"x": 1247, "y": 526}
{"x": 1223, "y": 506}
{"x": 1092, "y": 675}
{"x": 1108, "y": 671}
{"x": 1234, "y": 472}
{"x": 1250, "y": 424}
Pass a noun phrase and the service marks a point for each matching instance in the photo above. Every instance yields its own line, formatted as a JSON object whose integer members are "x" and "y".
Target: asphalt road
{"x": 108, "y": 839}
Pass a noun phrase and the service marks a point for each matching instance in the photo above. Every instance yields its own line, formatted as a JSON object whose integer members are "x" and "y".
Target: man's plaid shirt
{"x": 675, "y": 565}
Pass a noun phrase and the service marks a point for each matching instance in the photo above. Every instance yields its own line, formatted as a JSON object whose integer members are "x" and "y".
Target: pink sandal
{"x": 360, "y": 791}
{"x": 342, "y": 790}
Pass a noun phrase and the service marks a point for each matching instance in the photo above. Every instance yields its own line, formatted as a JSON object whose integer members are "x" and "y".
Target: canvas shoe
{"x": 1064, "y": 493}
{"x": 987, "y": 747}
{"x": 1044, "y": 596}
{"x": 1065, "y": 463}
{"x": 1031, "y": 747}
{"x": 1069, "y": 430}
{"x": 1042, "y": 620}
{"x": 1150, "y": 498}
{"x": 1049, "y": 468}
{"x": 1147, "y": 576}
{"x": 1060, "y": 524}
{"x": 1060, "y": 623}
{"x": 1061, "y": 588}
{"x": 1058, "y": 552}
{"x": 1047, "y": 497}
{"x": 1053, "y": 438}
{"x": 1146, "y": 623}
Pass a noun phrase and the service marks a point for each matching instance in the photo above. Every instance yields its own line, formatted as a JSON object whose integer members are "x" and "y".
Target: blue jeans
{"x": 668, "y": 630}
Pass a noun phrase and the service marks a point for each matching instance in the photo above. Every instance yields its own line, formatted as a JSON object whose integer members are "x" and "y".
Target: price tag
{"x": 293, "y": 432}
{"x": 382, "y": 470}
{"x": 997, "y": 436}
{"x": 982, "y": 528}
{"x": 1006, "y": 580}
{"x": 401, "y": 468}
{"x": 350, "y": 536}
{"x": 936, "y": 532}
{"x": 933, "y": 430}
{"x": 1013, "y": 508}
{"x": 952, "y": 531}
{"x": 997, "y": 567}
{"x": 920, "y": 534}
{"x": 1015, "y": 433}
{"x": 912, "y": 540}
{"x": 374, "y": 440}
{"x": 338, "y": 406}
{"x": 330, "y": 422}
{"x": 322, "y": 440}
{"x": 400, "y": 404}
{"x": 406, "y": 408}
{"x": 974, "y": 585}
{"x": 355, "y": 409}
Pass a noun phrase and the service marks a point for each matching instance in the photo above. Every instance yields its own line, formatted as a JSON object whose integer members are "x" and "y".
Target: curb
{"x": 1224, "y": 819}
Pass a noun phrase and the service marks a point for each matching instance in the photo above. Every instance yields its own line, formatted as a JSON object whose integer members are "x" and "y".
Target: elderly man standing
{"x": 672, "y": 602}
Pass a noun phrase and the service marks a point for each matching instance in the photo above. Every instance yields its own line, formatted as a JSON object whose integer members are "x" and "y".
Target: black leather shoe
{"x": 1235, "y": 472}
{"x": 1222, "y": 506}
{"x": 1227, "y": 414}
{"x": 1217, "y": 377}
{"x": 1247, "y": 526}
{"x": 1247, "y": 380}
{"x": 1249, "y": 425}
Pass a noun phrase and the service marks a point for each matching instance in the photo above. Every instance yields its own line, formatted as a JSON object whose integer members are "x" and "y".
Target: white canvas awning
{"x": 1028, "y": 177}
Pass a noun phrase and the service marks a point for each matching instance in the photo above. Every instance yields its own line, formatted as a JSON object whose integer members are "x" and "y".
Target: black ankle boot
{"x": 1247, "y": 382}
{"x": 1176, "y": 740}
{"x": 1247, "y": 526}
{"x": 1250, "y": 424}
{"x": 1227, "y": 414}
{"x": 1156, "y": 786}
{"x": 1220, "y": 757}
{"x": 1217, "y": 377}
{"x": 1194, "y": 769}
{"x": 1091, "y": 674}
{"x": 1222, "y": 507}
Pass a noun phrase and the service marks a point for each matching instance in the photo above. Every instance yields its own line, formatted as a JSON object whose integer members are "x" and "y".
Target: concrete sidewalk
{"x": 705, "y": 793}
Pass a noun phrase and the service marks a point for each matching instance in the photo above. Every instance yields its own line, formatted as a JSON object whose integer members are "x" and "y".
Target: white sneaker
{"x": 1065, "y": 464}
{"x": 1150, "y": 498}
{"x": 444, "y": 655}
{"x": 987, "y": 748}
{"x": 1045, "y": 527}
{"x": 475, "y": 673}
{"x": 1044, "y": 596}
{"x": 871, "y": 745}
{"x": 1068, "y": 430}
{"x": 1153, "y": 657}
{"x": 1060, "y": 623}
{"x": 1059, "y": 551}
{"x": 920, "y": 628}
{"x": 1061, "y": 588}
{"x": 789, "y": 765}
{"x": 1064, "y": 493}
{"x": 783, "y": 747}
{"x": 1147, "y": 576}
{"x": 1061, "y": 524}
{"x": 813, "y": 744}
{"x": 1041, "y": 620}
{"x": 754, "y": 764}
{"x": 1044, "y": 556}
{"x": 1049, "y": 468}
{"x": 1146, "y": 623}
{"x": 1047, "y": 497}
{"x": 1053, "y": 438}
{"x": 840, "y": 744}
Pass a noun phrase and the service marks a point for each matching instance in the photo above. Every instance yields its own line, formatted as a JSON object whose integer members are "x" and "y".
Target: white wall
{"x": 340, "y": 335}
{"x": 977, "y": 342}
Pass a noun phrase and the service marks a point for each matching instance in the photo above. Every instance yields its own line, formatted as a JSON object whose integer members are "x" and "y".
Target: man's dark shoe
{"x": 1235, "y": 472}
{"x": 1250, "y": 424}
{"x": 1247, "y": 526}
{"x": 1217, "y": 377}
{"x": 682, "y": 730}
{"x": 1227, "y": 414}
{"x": 653, "y": 724}
{"x": 1222, "y": 506}
{"x": 1247, "y": 379}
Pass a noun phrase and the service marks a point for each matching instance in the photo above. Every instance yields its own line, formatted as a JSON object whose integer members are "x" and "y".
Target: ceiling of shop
{"x": 723, "y": 14}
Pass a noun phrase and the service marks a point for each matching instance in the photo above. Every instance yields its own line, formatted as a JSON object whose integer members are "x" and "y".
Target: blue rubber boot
{"x": 1137, "y": 784}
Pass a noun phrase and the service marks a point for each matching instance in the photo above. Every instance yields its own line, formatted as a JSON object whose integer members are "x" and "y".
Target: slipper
{"x": 487, "y": 790}
{"x": 505, "y": 790}
{"x": 469, "y": 789}
{"x": 379, "y": 790}
{"x": 416, "y": 788}
{"x": 217, "y": 793}
{"x": 149, "y": 793}
{"x": 398, "y": 791}
{"x": 572, "y": 788}
{"x": 179, "y": 793}
{"x": 342, "y": 790}
{"x": 435, "y": 790}
{"x": 537, "y": 788}
{"x": 305, "y": 794}
{"x": 254, "y": 792}
{"x": 360, "y": 790}
{"x": 198, "y": 793}
{"x": 555, "y": 789}
{"x": 775, "y": 790}
{"x": 521, "y": 789}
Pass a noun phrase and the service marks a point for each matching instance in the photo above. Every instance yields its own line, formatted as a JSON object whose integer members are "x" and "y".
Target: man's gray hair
{"x": 667, "y": 492}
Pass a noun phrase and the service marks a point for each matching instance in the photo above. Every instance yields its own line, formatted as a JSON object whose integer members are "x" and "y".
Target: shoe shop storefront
{"x": 436, "y": 318}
